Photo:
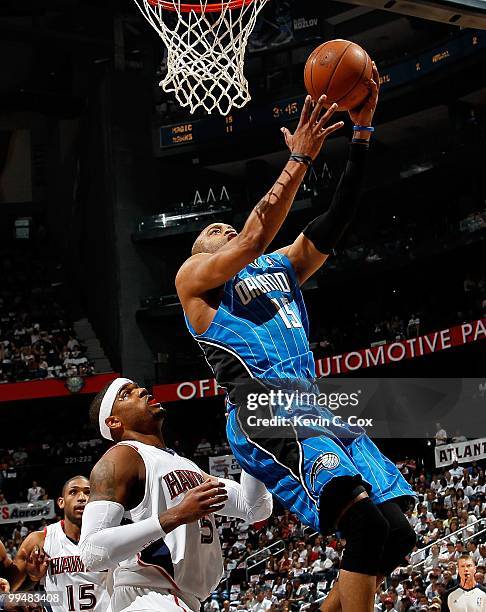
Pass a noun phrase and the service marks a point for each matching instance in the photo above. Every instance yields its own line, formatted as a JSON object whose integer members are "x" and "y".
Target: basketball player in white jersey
{"x": 168, "y": 557}
{"x": 52, "y": 557}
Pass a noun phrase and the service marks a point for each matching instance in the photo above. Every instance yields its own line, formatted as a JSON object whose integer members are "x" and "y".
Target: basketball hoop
{"x": 206, "y": 45}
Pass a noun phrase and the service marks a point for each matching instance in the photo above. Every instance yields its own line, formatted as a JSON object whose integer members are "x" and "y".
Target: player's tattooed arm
{"x": 119, "y": 477}
{"x": 273, "y": 197}
{"x": 206, "y": 271}
{"x": 102, "y": 481}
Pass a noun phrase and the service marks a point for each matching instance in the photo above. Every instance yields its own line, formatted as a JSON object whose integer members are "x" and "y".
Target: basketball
{"x": 341, "y": 70}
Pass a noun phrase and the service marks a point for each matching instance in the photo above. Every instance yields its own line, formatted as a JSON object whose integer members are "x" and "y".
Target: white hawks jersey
{"x": 78, "y": 590}
{"x": 189, "y": 558}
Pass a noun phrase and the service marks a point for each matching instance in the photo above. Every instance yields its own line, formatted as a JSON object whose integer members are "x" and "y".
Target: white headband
{"x": 107, "y": 404}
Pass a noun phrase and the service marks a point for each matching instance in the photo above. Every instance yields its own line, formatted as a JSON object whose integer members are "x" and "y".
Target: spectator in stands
{"x": 466, "y": 485}
{"x": 482, "y": 553}
{"x": 422, "y": 526}
{"x": 431, "y": 591}
{"x": 262, "y": 604}
{"x": 441, "y": 435}
{"x": 450, "y": 500}
{"x": 388, "y": 604}
{"x": 456, "y": 470}
{"x": 271, "y": 566}
{"x": 227, "y": 475}
{"x": 433, "y": 559}
{"x": 16, "y": 535}
{"x": 473, "y": 550}
{"x": 34, "y": 492}
{"x": 448, "y": 580}
{"x": 413, "y": 327}
{"x": 212, "y": 604}
{"x": 203, "y": 448}
{"x": 320, "y": 567}
{"x": 72, "y": 343}
{"x": 249, "y": 600}
{"x": 284, "y": 564}
{"x": 435, "y": 483}
{"x": 20, "y": 456}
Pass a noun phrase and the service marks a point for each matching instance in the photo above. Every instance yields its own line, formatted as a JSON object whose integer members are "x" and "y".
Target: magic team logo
{"x": 328, "y": 461}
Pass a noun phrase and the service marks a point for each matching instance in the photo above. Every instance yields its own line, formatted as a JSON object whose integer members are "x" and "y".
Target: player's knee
{"x": 399, "y": 544}
{"x": 336, "y": 496}
{"x": 366, "y": 531}
{"x": 401, "y": 538}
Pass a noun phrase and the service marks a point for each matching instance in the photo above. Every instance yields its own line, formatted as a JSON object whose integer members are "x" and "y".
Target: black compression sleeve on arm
{"x": 326, "y": 230}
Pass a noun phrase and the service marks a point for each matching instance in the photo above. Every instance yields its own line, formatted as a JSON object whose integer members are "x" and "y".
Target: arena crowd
{"x": 280, "y": 564}
{"x": 37, "y": 340}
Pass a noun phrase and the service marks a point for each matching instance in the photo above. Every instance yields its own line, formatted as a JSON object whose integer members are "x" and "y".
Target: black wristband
{"x": 362, "y": 141}
{"x": 301, "y": 159}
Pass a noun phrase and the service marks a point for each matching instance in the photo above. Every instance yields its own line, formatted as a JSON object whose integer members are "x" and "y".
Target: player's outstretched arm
{"x": 206, "y": 271}
{"x": 248, "y": 500}
{"x": 31, "y": 561}
{"x": 104, "y": 541}
{"x": 312, "y": 247}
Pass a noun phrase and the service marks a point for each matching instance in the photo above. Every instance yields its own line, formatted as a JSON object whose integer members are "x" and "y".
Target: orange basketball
{"x": 340, "y": 69}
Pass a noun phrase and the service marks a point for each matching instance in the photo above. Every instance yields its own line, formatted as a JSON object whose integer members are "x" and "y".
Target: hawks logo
{"x": 328, "y": 461}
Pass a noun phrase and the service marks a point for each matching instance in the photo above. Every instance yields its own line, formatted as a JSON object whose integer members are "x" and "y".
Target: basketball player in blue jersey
{"x": 246, "y": 310}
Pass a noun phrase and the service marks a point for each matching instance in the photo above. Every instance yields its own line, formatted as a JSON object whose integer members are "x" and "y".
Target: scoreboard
{"x": 202, "y": 130}
{"x": 219, "y": 128}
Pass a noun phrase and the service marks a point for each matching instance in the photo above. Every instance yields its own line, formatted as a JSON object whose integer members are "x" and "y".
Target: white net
{"x": 206, "y": 52}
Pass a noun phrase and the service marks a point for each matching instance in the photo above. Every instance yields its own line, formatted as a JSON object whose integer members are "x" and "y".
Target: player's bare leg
{"x": 332, "y": 603}
{"x": 356, "y": 591}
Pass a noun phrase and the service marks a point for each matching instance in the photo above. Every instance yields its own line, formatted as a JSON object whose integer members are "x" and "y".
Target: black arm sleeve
{"x": 326, "y": 230}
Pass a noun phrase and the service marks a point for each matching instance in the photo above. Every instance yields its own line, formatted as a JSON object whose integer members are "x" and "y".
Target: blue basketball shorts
{"x": 298, "y": 466}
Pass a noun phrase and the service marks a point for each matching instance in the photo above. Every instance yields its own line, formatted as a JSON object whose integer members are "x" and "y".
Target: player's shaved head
{"x": 213, "y": 237}
{"x": 199, "y": 245}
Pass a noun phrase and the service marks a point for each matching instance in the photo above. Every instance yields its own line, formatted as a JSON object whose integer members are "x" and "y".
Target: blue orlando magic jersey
{"x": 261, "y": 327}
{"x": 260, "y": 331}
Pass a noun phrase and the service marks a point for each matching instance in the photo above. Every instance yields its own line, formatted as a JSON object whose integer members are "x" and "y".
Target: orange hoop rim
{"x": 202, "y": 7}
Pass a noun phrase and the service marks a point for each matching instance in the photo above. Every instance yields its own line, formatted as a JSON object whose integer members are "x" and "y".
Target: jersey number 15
{"x": 286, "y": 313}
{"x": 86, "y": 597}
